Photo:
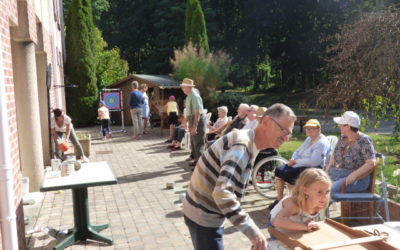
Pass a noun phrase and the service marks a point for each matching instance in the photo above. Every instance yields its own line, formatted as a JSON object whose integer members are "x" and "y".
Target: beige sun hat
{"x": 260, "y": 111}
{"x": 312, "y": 123}
{"x": 187, "y": 82}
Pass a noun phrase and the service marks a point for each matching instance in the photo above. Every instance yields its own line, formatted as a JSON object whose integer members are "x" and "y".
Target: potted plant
{"x": 85, "y": 141}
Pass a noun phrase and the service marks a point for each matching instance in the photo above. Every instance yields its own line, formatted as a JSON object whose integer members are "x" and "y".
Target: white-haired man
{"x": 252, "y": 116}
{"x": 238, "y": 122}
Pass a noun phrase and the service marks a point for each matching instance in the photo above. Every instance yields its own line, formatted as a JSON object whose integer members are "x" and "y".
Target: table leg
{"x": 70, "y": 240}
{"x": 98, "y": 228}
{"x": 83, "y": 230}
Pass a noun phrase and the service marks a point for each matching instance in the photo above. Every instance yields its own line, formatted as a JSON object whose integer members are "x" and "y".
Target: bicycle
{"x": 263, "y": 174}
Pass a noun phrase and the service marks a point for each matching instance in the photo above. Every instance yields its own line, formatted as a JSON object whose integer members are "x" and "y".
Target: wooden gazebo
{"x": 160, "y": 88}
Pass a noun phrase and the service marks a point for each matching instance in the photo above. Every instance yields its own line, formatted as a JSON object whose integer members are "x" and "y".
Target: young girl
{"x": 172, "y": 111}
{"x": 104, "y": 116}
{"x": 310, "y": 196}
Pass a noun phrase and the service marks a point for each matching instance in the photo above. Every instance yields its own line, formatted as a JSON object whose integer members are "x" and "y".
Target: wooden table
{"x": 90, "y": 175}
{"x": 392, "y": 228}
{"x": 331, "y": 235}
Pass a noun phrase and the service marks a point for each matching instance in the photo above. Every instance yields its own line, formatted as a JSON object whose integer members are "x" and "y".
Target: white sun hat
{"x": 348, "y": 118}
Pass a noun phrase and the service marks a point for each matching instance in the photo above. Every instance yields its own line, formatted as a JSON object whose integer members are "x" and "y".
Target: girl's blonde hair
{"x": 306, "y": 179}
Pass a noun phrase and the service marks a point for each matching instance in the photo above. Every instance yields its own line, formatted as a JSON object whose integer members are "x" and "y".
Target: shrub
{"x": 232, "y": 101}
{"x": 208, "y": 70}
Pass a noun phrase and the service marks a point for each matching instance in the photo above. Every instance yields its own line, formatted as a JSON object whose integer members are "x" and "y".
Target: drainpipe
{"x": 7, "y": 199}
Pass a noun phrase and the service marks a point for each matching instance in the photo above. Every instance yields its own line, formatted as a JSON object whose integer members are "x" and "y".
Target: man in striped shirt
{"x": 219, "y": 180}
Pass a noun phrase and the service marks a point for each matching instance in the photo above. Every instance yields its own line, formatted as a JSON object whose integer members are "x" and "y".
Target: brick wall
{"x": 8, "y": 19}
{"x": 8, "y": 13}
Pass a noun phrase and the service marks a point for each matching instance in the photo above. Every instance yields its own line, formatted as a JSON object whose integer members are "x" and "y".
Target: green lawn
{"x": 384, "y": 144}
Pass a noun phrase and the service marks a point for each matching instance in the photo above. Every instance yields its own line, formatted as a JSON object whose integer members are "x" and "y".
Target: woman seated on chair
{"x": 310, "y": 154}
{"x": 178, "y": 134}
{"x": 221, "y": 121}
{"x": 353, "y": 158}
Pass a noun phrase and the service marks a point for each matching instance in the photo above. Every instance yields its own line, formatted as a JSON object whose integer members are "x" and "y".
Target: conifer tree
{"x": 195, "y": 25}
{"x": 81, "y": 62}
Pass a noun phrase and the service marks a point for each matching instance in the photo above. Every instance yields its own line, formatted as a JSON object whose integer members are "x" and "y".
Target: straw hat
{"x": 312, "y": 123}
{"x": 187, "y": 83}
{"x": 260, "y": 111}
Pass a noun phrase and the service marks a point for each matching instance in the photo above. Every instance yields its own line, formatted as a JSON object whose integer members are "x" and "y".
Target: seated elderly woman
{"x": 353, "y": 157}
{"x": 221, "y": 121}
{"x": 310, "y": 154}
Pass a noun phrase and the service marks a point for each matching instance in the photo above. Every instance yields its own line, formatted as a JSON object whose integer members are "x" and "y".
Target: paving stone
{"x": 142, "y": 214}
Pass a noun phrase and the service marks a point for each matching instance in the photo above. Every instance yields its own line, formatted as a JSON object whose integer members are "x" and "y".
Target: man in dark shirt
{"x": 135, "y": 102}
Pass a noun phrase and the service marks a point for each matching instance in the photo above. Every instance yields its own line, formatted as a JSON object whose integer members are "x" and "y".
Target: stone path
{"x": 141, "y": 211}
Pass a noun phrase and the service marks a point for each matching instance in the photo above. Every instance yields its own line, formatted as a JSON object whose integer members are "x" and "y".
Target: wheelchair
{"x": 263, "y": 175}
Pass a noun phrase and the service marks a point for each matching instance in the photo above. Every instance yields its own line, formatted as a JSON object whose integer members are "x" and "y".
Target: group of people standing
{"x": 139, "y": 108}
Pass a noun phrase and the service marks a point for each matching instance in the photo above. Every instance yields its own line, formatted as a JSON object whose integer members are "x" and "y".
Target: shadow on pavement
{"x": 148, "y": 175}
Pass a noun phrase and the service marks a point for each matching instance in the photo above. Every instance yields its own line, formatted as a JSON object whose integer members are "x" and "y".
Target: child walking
{"x": 310, "y": 196}
{"x": 104, "y": 117}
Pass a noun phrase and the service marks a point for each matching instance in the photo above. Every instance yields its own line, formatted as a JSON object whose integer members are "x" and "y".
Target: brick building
{"x": 31, "y": 82}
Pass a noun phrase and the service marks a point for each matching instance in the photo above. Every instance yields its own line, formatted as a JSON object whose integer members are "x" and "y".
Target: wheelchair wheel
{"x": 263, "y": 175}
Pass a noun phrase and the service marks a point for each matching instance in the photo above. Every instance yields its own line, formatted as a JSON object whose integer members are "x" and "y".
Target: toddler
{"x": 104, "y": 117}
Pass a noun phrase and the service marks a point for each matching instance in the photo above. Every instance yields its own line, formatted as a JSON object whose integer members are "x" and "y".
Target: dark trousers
{"x": 289, "y": 174}
{"x": 197, "y": 141}
{"x": 105, "y": 126}
{"x": 205, "y": 238}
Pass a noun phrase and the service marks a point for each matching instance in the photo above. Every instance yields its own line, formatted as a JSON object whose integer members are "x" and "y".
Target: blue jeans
{"x": 339, "y": 177}
{"x": 179, "y": 133}
{"x": 205, "y": 238}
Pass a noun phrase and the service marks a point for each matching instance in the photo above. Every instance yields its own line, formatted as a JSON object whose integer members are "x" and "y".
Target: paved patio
{"x": 141, "y": 211}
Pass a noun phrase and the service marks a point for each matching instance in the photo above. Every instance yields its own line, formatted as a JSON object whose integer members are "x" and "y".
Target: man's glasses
{"x": 284, "y": 130}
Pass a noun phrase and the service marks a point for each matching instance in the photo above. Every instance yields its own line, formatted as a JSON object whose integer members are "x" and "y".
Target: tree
{"x": 110, "y": 66}
{"x": 81, "y": 62}
{"x": 365, "y": 67}
{"x": 195, "y": 25}
{"x": 147, "y": 32}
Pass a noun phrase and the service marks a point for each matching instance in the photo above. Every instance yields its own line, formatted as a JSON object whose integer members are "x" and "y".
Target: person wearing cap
{"x": 221, "y": 121}
{"x": 353, "y": 157}
{"x": 135, "y": 102}
{"x": 310, "y": 154}
{"x": 196, "y": 118}
{"x": 103, "y": 114}
{"x": 172, "y": 112}
{"x": 251, "y": 115}
{"x": 219, "y": 181}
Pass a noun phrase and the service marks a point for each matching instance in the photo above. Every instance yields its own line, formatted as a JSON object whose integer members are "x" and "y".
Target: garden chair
{"x": 367, "y": 196}
{"x": 332, "y": 142}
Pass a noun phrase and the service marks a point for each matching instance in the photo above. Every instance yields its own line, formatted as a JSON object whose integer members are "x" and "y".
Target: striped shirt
{"x": 219, "y": 181}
